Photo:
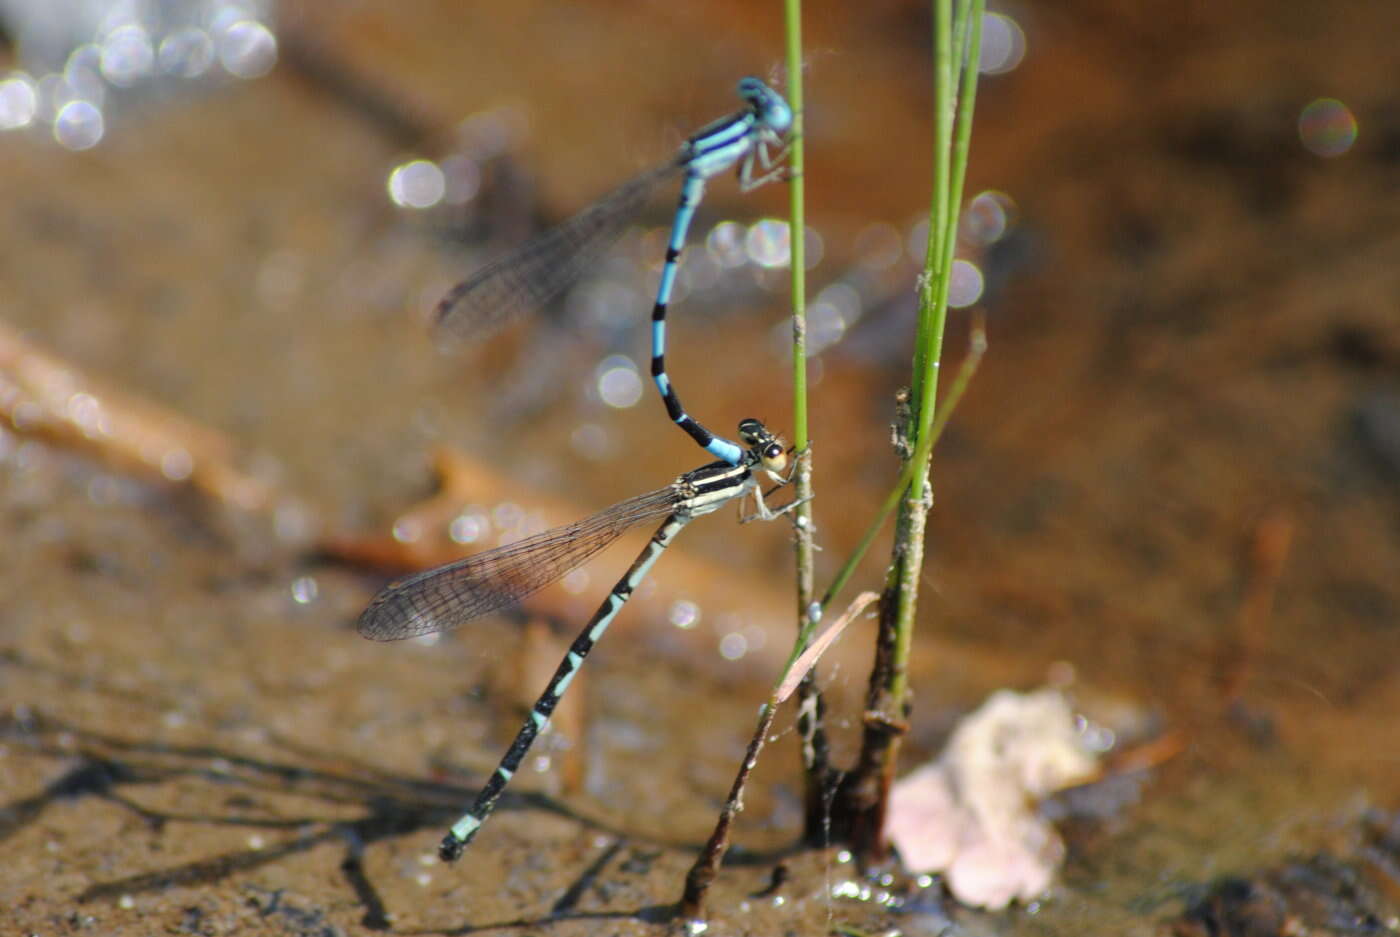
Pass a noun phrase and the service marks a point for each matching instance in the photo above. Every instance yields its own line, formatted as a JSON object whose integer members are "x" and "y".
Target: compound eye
{"x": 773, "y": 452}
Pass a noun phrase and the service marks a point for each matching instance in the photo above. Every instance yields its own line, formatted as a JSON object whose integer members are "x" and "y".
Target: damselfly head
{"x": 775, "y": 459}
{"x": 768, "y": 105}
{"x": 768, "y": 450}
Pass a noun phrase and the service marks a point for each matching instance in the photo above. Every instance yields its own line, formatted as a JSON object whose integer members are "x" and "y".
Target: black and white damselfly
{"x": 455, "y": 594}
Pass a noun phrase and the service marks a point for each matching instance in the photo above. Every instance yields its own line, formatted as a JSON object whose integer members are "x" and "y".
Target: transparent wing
{"x": 454, "y": 594}
{"x": 542, "y": 268}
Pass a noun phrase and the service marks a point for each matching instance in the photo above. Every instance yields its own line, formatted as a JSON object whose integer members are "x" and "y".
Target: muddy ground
{"x": 1177, "y": 472}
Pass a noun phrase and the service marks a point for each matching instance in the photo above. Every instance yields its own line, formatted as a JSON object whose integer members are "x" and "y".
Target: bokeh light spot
{"x": 965, "y": 284}
{"x": 468, "y": 527}
{"x": 878, "y": 246}
{"x": 304, "y": 590}
{"x": 186, "y": 53}
{"x": 576, "y": 582}
{"x": 916, "y": 242}
{"x": 618, "y": 383}
{"x": 127, "y": 55}
{"x": 177, "y": 464}
{"x": 987, "y": 217}
{"x": 1003, "y": 44}
{"x": 1327, "y": 127}
{"x": 82, "y": 75}
{"x": 591, "y": 441}
{"x": 417, "y": 184}
{"x": 684, "y": 614}
{"x": 725, "y": 243}
{"x": 247, "y": 49}
{"x": 767, "y": 243}
{"x": 733, "y": 646}
{"x": 462, "y": 176}
{"x": 19, "y": 101}
{"x": 78, "y": 125}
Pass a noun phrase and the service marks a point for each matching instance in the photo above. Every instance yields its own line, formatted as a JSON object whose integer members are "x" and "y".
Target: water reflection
{"x": 81, "y": 58}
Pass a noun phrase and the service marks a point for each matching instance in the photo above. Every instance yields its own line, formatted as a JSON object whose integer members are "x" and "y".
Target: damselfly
{"x": 542, "y": 268}
{"x": 454, "y": 594}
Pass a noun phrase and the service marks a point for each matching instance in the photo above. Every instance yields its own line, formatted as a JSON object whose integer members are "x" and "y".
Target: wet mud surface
{"x": 1177, "y": 472}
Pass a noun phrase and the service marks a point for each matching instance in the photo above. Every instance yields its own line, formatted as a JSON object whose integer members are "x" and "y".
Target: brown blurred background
{"x": 1177, "y": 471}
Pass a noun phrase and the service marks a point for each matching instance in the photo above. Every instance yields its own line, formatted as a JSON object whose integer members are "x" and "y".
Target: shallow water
{"x": 1193, "y": 344}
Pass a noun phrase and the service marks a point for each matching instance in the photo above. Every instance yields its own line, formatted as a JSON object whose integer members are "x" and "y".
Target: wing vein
{"x": 448, "y": 596}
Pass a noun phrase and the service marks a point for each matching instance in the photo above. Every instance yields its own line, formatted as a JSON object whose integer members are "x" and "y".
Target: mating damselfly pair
{"x": 525, "y": 279}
